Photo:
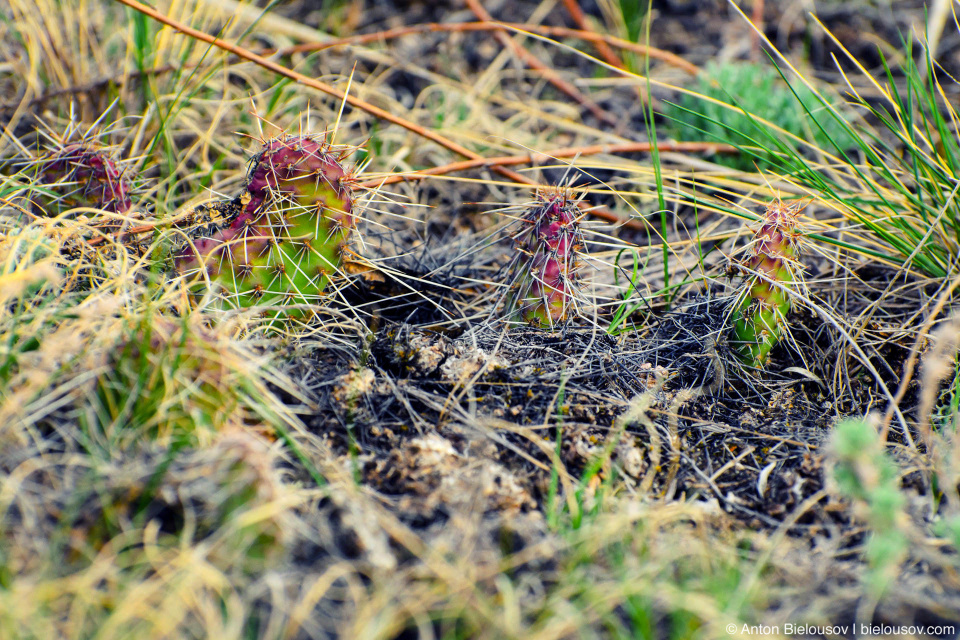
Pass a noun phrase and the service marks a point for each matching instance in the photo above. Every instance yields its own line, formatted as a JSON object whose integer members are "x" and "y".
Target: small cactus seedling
{"x": 549, "y": 246}
{"x": 292, "y": 223}
{"x": 761, "y": 314}
{"x": 83, "y": 175}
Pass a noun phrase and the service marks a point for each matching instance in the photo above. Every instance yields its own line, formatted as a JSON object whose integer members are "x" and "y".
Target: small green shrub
{"x": 864, "y": 473}
{"x": 753, "y": 92}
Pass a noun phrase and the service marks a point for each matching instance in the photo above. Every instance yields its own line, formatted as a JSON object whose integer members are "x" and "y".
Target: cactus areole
{"x": 295, "y": 217}
{"x": 549, "y": 247}
{"x": 761, "y": 315}
{"x": 82, "y": 175}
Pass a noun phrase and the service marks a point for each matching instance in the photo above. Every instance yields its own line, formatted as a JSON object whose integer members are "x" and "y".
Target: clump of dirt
{"x": 432, "y": 418}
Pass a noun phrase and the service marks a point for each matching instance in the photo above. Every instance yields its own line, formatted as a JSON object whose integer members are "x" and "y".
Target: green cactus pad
{"x": 293, "y": 221}
{"x": 761, "y": 315}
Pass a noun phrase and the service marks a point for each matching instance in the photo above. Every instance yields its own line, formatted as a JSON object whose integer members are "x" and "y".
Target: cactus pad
{"x": 83, "y": 175}
{"x": 548, "y": 261}
{"x": 761, "y": 315}
{"x": 291, "y": 224}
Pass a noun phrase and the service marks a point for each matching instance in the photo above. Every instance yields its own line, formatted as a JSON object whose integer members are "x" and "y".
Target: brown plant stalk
{"x": 555, "y": 154}
{"x": 573, "y": 8}
{"x": 536, "y": 64}
{"x": 464, "y": 27}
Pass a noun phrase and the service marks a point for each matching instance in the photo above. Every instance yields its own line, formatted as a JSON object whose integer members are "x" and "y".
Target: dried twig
{"x": 463, "y": 27}
{"x": 536, "y": 64}
{"x": 573, "y": 8}
{"x": 567, "y": 152}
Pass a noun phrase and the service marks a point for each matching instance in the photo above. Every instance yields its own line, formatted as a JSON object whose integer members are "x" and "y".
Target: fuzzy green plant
{"x": 730, "y": 99}
{"x": 82, "y": 175}
{"x": 864, "y": 473}
{"x": 289, "y": 229}
{"x": 760, "y": 315}
{"x": 546, "y": 266}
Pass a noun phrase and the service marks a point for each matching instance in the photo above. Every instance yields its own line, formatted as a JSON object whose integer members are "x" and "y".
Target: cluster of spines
{"x": 549, "y": 247}
{"x": 291, "y": 225}
{"x": 83, "y": 175}
{"x": 760, "y": 315}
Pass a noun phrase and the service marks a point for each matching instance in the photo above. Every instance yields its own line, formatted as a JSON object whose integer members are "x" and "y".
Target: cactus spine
{"x": 84, "y": 175}
{"x": 760, "y": 316}
{"x": 548, "y": 261}
{"x": 292, "y": 223}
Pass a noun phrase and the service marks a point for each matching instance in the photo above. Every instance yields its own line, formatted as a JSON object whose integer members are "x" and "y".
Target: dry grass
{"x": 408, "y": 462}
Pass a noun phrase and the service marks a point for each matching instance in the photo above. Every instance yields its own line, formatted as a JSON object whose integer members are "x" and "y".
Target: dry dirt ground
{"x": 455, "y": 475}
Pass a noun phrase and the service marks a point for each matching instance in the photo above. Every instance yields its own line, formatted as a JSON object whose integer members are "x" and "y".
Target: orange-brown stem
{"x": 535, "y": 63}
{"x": 573, "y": 8}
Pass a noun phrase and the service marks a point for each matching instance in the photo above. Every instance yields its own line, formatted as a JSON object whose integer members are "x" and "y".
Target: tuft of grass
{"x": 155, "y": 544}
{"x": 96, "y": 356}
{"x": 893, "y": 171}
{"x": 903, "y": 186}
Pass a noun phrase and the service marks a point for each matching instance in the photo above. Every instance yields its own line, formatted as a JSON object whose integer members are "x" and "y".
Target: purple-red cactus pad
{"x": 549, "y": 248}
{"x": 301, "y": 172}
{"x": 81, "y": 175}
{"x": 295, "y": 217}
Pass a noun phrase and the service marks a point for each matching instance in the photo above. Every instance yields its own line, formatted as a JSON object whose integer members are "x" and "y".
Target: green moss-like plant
{"x": 761, "y": 92}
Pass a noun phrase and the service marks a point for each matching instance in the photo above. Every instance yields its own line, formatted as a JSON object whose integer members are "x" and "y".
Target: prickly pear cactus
{"x": 760, "y": 317}
{"x": 549, "y": 246}
{"x": 291, "y": 225}
{"x": 83, "y": 175}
